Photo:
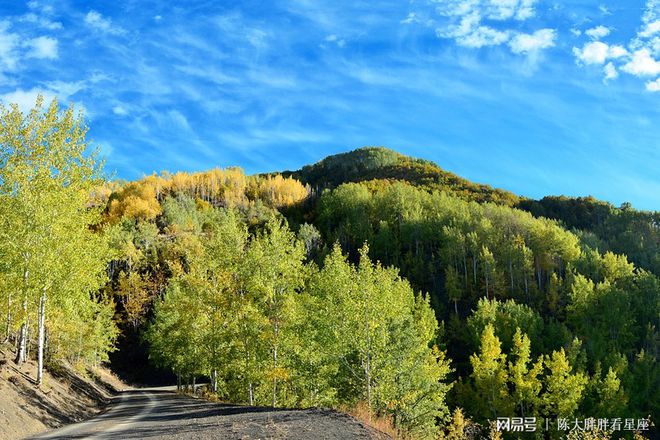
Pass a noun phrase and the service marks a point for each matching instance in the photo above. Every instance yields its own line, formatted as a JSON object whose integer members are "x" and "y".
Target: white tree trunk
{"x": 214, "y": 380}
{"x": 40, "y": 339}
{"x": 21, "y": 348}
{"x": 21, "y": 352}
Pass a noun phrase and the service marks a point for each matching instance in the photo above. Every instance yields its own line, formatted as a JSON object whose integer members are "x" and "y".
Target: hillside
{"x": 376, "y": 284}
{"x": 378, "y": 163}
{"x": 67, "y": 396}
{"x": 622, "y": 230}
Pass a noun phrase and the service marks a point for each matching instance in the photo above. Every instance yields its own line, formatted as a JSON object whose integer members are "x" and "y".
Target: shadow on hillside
{"x": 54, "y": 415}
{"x": 85, "y": 388}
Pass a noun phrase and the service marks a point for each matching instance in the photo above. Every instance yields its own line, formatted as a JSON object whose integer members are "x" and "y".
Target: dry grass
{"x": 383, "y": 424}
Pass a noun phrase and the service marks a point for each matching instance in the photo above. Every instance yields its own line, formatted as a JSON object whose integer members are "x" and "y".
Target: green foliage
{"x": 622, "y": 230}
{"x": 245, "y": 313}
{"x": 563, "y": 388}
{"x": 50, "y": 236}
{"x": 524, "y": 378}
{"x": 270, "y": 327}
{"x": 490, "y": 375}
{"x": 507, "y": 318}
{"x": 378, "y": 163}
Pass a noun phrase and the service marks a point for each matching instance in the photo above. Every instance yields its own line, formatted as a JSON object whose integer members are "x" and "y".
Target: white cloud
{"x": 592, "y": 53}
{"x": 483, "y": 36}
{"x": 335, "y": 39}
{"x": 42, "y": 47}
{"x": 597, "y": 32}
{"x": 639, "y": 56}
{"x": 653, "y": 86}
{"x": 119, "y": 110}
{"x": 8, "y": 47}
{"x": 61, "y": 90}
{"x": 610, "y": 71}
{"x": 525, "y": 10}
{"x": 41, "y": 21}
{"x": 470, "y": 32}
{"x": 650, "y": 29}
{"x": 617, "y": 52}
{"x": 25, "y": 99}
{"x": 642, "y": 63}
{"x": 598, "y": 52}
{"x": 576, "y": 32}
{"x": 410, "y": 18}
{"x": 526, "y": 43}
{"x": 35, "y": 5}
{"x": 95, "y": 20}
{"x": 470, "y": 23}
{"x": 490, "y": 9}
{"x": 39, "y": 15}
{"x": 507, "y": 9}
{"x": 652, "y": 11}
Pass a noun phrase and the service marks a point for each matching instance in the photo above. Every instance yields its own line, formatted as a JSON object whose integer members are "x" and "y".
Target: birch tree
{"x": 48, "y": 173}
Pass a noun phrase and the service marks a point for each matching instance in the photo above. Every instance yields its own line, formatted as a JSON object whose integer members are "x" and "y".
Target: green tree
{"x": 47, "y": 176}
{"x": 275, "y": 259}
{"x": 490, "y": 376}
{"x": 524, "y": 378}
{"x": 563, "y": 388}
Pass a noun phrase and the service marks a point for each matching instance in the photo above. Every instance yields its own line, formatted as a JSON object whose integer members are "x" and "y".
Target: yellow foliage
{"x": 229, "y": 187}
{"x": 278, "y": 192}
{"x": 136, "y": 200}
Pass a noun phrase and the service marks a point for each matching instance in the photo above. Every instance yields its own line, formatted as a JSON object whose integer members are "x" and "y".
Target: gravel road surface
{"x": 159, "y": 413}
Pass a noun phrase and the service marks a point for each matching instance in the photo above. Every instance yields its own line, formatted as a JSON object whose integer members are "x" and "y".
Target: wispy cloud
{"x": 96, "y": 21}
{"x": 487, "y": 23}
{"x": 9, "y": 45}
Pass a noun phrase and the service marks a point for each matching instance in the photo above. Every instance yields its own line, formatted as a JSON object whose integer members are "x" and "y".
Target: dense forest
{"x": 368, "y": 279}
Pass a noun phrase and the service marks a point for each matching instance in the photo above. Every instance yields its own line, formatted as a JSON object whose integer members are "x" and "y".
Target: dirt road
{"x": 159, "y": 413}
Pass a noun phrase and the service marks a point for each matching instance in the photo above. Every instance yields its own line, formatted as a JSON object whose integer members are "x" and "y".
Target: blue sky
{"x": 537, "y": 97}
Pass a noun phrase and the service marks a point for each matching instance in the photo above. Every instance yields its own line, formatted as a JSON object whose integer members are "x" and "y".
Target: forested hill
{"x": 375, "y": 283}
{"x": 622, "y": 230}
{"x": 378, "y": 163}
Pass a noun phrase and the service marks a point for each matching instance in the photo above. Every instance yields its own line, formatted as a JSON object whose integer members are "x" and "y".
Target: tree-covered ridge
{"x": 559, "y": 311}
{"x": 623, "y": 230}
{"x": 380, "y": 163}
